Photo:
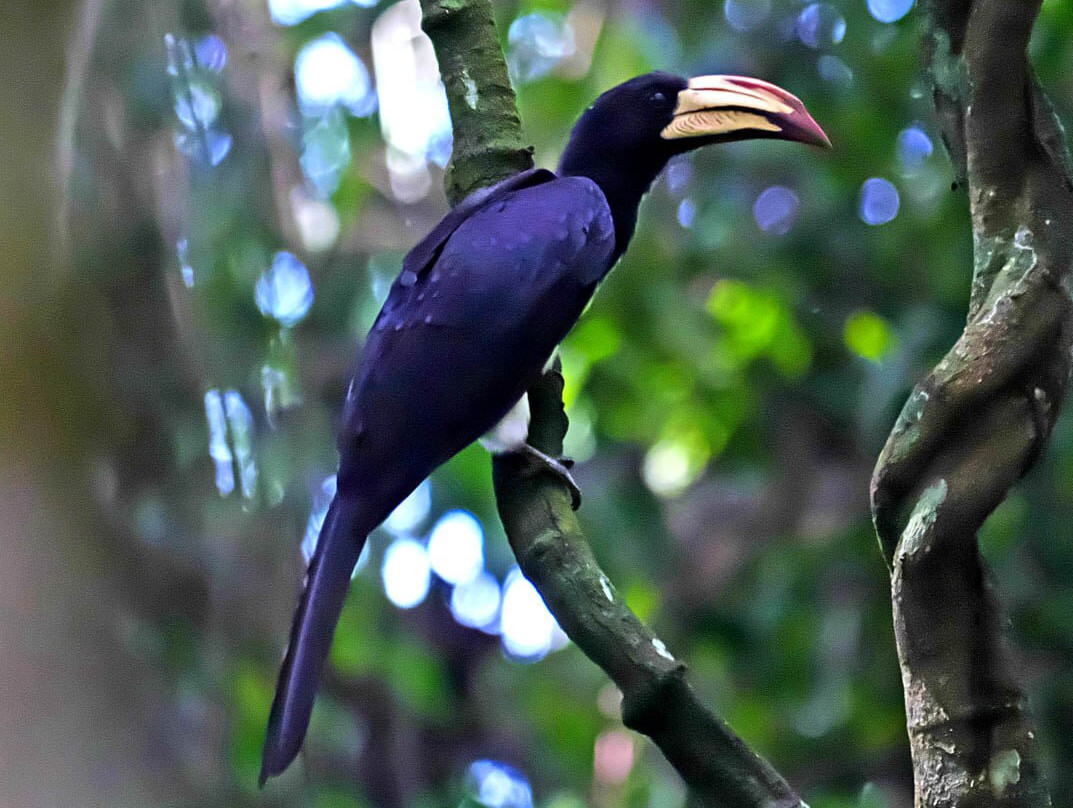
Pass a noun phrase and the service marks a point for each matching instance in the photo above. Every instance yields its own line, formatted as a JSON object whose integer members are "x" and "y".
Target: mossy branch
{"x": 980, "y": 419}
{"x": 717, "y": 766}
{"x": 488, "y": 140}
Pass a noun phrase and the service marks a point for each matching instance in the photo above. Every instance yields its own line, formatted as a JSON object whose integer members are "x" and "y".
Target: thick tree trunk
{"x": 982, "y": 416}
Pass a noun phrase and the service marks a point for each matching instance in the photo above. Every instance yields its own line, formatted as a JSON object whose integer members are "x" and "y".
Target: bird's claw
{"x": 558, "y": 466}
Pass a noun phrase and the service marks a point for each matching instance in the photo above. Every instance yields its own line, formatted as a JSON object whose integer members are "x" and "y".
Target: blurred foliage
{"x": 729, "y": 388}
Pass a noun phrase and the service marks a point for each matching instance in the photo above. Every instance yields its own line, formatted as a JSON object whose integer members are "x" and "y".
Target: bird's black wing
{"x": 456, "y": 345}
{"x": 422, "y": 256}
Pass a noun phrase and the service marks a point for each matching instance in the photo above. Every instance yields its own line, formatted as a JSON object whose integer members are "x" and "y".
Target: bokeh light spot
{"x": 414, "y": 116}
{"x": 322, "y": 499}
{"x": 456, "y": 547}
{"x": 678, "y": 174}
{"x": 292, "y": 12}
{"x": 687, "y": 212}
{"x": 212, "y": 146}
{"x": 613, "y": 756}
{"x": 775, "y": 210}
{"x": 317, "y": 220}
{"x": 219, "y": 450}
{"x": 240, "y": 423}
{"x": 879, "y": 201}
{"x": 211, "y": 53}
{"x": 889, "y": 10}
{"x": 821, "y": 25}
{"x": 868, "y": 335}
{"x": 674, "y": 463}
{"x": 406, "y": 573}
{"x": 834, "y": 70}
{"x": 497, "y": 785}
{"x": 526, "y": 625}
{"x": 197, "y": 102}
{"x": 285, "y": 292}
{"x": 325, "y": 151}
{"x": 231, "y": 441}
{"x": 914, "y": 147}
{"x": 476, "y": 603}
{"x": 182, "y": 252}
{"x": 327, "y": 73}
{"x": 412, "y": 511}
{"x": 537, "y": 43}
{"x": 198, "y": 107}
{"x": 745, "y": 15}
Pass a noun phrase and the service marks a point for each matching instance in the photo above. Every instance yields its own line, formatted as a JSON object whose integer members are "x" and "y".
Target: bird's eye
{"x": 657, "y": 98}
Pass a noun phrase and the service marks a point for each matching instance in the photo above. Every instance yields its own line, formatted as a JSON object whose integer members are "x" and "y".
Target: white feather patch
{"x": 511, "y": 431}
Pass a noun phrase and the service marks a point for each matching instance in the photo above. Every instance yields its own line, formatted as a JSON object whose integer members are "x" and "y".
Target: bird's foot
{"x": 558, "y": 466}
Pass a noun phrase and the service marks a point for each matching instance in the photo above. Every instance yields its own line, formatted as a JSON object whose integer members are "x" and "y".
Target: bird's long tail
{"x": 338, "y": 547}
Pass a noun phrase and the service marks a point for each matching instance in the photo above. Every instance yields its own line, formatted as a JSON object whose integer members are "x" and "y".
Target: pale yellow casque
{"x": 715, "y": 105}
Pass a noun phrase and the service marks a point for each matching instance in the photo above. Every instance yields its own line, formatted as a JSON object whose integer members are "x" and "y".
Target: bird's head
{"x": 653, "y": 117}
{"x": 625, "y": 138}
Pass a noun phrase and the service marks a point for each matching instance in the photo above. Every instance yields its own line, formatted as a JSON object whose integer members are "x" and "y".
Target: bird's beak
{"x": 739, "y": 107}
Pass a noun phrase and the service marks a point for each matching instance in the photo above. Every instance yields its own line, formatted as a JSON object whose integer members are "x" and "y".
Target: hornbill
{"x": 476, "y": 314}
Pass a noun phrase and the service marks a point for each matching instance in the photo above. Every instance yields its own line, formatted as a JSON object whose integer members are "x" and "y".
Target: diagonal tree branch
{"x": 720, "y": 770}
{"x": 979, "y": 420}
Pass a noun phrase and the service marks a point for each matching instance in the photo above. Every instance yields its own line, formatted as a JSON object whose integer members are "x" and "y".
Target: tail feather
{"x": 338, "y": 547}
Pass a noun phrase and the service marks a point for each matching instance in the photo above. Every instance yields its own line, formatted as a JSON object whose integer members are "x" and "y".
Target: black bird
{"x": 477, "y": 312}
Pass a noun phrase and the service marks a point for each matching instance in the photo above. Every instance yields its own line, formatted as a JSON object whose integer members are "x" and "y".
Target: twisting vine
{"x": 979, "y": 420}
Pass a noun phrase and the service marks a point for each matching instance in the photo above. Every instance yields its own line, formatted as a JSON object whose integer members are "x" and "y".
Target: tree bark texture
{"x": 980, "y": 419}
{"x": 488, "y": 140}
{"x": 717, "y": 766}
